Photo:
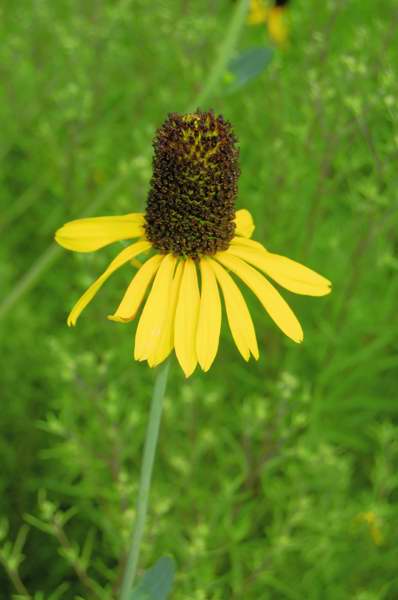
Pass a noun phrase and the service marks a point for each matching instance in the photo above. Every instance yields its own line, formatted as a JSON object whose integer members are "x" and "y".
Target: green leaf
{"x": 157, "y": 582}
{"x": 248, "y": 65}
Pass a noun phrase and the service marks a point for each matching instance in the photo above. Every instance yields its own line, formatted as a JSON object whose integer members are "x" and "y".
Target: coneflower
{"x": 194, "y": 244}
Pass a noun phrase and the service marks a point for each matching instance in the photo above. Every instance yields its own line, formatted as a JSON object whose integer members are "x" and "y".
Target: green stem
{"x": 145, "y": 479}
{"x": 224, "y": 52}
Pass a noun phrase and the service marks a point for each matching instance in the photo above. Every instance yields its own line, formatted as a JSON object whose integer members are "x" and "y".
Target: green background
{"x": 276, "y": 479}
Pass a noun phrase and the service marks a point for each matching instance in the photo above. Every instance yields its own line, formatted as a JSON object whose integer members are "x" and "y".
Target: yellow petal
{"x": 258, "y": 13}
{"x": 123, "y": 257}
{"x": 136, "y": 263}
{"x": 244, "y": 223}
{"x": 290, "y": 274}
{"x": 277, "y": 25}
{"x": 87, "y": 235}
{"x": 239, "y": 319}
{"x": 209, "y": 323}
{"x": 186, "y": 318}
{"x": 155, "y": 310}
{"x": 166, "y": 342}
{"x": 244, "y": 241}
{"x": 135, "y": 293}
{"x": 269, "y": 297}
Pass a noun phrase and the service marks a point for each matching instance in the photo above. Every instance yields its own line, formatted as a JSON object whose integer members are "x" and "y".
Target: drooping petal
{"x": 290, "y": 274}
{"x": 269, "y": 297}
{"x": 209, "y": 323}
{"x": 87, "y": 235}
{"x": 134, "y": 295}
{"x": 155, "y": 310}
{"x": 244, "y": 223}
{"x": 239, "y": 240}
{"x": 166, "y": 341}
{"x": 239, "y": 319}
{"x": 186, "y": 318}
{"x": 123, "y": 257}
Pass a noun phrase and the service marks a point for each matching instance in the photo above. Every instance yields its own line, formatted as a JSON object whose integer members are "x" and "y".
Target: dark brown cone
{"x": 191, "y": 203}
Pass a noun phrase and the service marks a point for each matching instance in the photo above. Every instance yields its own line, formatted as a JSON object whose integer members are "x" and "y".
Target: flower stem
{"x": 151, "y": 440}
{"x": 225, "y": 52}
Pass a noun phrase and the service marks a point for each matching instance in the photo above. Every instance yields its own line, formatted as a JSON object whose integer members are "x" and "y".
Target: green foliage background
{"x": 276, "y": 479}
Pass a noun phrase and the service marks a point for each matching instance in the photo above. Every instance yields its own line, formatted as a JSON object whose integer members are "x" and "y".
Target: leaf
{"x": 157, "y": 582}
{"x": 248, "y": 65}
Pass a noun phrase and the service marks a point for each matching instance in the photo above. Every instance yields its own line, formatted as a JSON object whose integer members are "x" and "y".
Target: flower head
{"x": 191, "y": 203}
{"x": 194, "y": 243}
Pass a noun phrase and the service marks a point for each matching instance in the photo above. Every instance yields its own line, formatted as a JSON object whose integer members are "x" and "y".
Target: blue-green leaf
{"x": 157, "y": 582}
{"x": 248, "y": 65}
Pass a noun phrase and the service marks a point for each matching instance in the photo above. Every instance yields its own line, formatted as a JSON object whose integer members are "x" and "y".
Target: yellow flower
{"x": 274, "y": 17}
{"x": 373, "y": 522}
{"x": 193, "y": 241}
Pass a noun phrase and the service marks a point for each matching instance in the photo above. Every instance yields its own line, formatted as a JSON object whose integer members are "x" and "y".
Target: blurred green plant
{"x": 272, "y": 477}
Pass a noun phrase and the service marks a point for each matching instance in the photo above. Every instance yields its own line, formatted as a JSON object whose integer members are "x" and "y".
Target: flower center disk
{"x": 191, "y": 203}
